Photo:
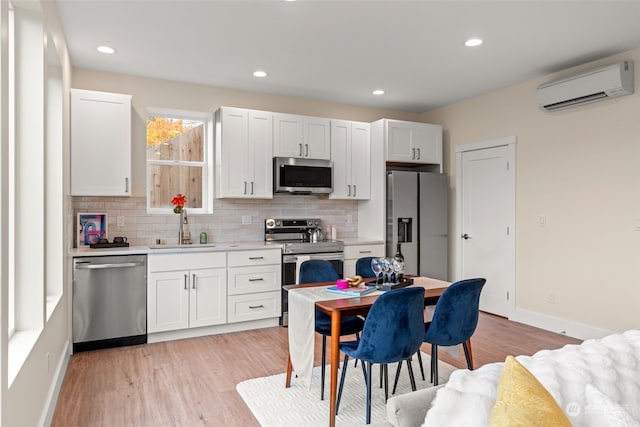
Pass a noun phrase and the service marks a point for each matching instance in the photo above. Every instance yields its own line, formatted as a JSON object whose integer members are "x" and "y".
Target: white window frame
{"x": 206, "y": 164}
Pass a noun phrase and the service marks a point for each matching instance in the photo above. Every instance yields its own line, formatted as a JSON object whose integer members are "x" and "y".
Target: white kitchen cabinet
{"x": 353, "y": 252}
{"x": 100, "y": 143}
{"x": 244, "y": 144}
{"x": 301, "y": 136}
{"x": 186, "y": 291}
{"x": 411, "y": 142}
{"x": 351, "y": 156}
{"x": 254, "y": 285}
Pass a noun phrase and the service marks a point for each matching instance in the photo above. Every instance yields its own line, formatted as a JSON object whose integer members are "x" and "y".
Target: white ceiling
{"x": 341, "y": 50}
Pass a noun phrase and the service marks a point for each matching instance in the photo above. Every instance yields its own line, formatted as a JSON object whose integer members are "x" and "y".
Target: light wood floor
{"x": 192, "y": 382}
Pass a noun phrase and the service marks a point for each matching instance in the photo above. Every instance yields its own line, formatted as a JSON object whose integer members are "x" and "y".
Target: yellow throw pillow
{"x": 523, "y": 401}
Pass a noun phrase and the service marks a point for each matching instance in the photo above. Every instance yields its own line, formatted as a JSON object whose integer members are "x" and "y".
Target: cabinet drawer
{"x": 190, "y": 261}
{"x": 264, "y": 305}
{"x": 260, "y": 278}
{"x": 359, "y": 251}
{"x": 257, "y": 257}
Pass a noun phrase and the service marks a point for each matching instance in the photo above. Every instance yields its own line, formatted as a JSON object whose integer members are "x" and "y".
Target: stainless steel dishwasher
{"x": 109, "y": 301}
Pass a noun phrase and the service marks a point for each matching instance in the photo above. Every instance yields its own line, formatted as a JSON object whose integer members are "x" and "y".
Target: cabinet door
{"x": 399, "y": 147}
{"x": 232, "y": 149}
{"x": 427, "y": 141}
{"x": 261, "y": 154}
{"x": 208, "y": 297}
{"x": 361, "y": 160}
{"x": 100, "y": 144}
{"x": 168, "y": 301}
{"x": 317, "y": 138}
{"x": 288, "y": 135}
{"x": 341, "y": 157}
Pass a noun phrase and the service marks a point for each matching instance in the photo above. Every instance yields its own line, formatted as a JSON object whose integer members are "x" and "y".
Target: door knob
{"x": 465, "y": 236}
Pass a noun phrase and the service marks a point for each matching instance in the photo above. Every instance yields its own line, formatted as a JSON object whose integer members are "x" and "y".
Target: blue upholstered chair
{"x": 393, "y": 331}
{"x": 363, "y": 267}
{"x": 316, "y": 270}
{"x": 454, "y": 320}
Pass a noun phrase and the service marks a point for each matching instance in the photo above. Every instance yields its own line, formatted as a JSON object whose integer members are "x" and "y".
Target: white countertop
{"x": 163, "y": 249}
{"x": 362, "y": 241}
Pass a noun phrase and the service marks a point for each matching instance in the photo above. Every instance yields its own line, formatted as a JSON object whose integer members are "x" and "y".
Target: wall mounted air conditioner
{"x": 602, "y": 83}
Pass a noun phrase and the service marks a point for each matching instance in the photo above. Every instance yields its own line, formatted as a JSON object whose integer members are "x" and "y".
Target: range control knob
{"x": 270, "y": 223}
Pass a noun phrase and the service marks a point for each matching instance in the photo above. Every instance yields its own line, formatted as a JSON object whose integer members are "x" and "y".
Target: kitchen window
{"x": 179, "y": 160}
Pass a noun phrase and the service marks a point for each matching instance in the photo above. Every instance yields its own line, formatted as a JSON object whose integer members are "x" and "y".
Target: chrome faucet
{"x": 183, "y": 238}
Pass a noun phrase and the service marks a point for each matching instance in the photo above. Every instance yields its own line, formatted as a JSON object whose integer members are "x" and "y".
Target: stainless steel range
{"x": 295, "y": 236}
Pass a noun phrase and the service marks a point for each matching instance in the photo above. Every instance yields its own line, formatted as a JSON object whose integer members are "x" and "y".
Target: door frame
{"x": 510, "y": 142}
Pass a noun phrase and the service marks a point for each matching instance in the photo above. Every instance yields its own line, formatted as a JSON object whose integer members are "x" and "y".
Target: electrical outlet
{"x": 542, "y": 221}
{"x": 551, "y": 298}
{"x": 120, "y": 221}
{"x": 246, "y": 219}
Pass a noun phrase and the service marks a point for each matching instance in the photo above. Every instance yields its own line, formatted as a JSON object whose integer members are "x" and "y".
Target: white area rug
{"x": 274, "y": 405}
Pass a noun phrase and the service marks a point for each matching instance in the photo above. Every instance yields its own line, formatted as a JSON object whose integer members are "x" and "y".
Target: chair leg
{"x": 434, "y": 364}
{"x": 467, "y": 354}
{"x": 369, "y": 369}
{"x": 342, "y": 377}
{"x": 420, "y": 362}
{"x": 381, "y": 369}
{"x": 411, "y": 378}
{"x": 385, "y": 368}
{"x": 358, "y": 341}
{"x": 395, "y": 382}
{"x": 322, "y": 369}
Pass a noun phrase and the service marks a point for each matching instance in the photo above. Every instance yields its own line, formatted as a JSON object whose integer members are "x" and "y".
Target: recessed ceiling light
{"x": 259, "y": 73}
{"x": 378, "y": 92}
{"x": 473, "y": 42}
{"x": 106, "y": 49}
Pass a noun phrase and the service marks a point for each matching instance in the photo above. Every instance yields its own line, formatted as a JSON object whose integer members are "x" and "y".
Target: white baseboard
{"x": 54, "y": 392}
{"x": 212, "y": 330}
{"x": 559, "y": 325}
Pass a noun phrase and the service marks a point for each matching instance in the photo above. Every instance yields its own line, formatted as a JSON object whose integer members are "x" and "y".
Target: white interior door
{"x": 486, "y": 220}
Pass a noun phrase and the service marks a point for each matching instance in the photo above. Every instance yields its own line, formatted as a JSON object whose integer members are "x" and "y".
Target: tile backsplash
{"x": 224, "y": 225}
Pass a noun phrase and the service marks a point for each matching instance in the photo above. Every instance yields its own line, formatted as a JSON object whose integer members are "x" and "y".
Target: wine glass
{"x": 388, "y": 268}
{"x": 377, "y": 267}
{"x": 398, "y": 268}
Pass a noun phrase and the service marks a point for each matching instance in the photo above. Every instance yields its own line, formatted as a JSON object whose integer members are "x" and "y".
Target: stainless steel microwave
{"x": 302, "y": 176}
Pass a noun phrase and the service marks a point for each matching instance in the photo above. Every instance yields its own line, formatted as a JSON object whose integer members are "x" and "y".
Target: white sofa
{"x": 596, "y": 383}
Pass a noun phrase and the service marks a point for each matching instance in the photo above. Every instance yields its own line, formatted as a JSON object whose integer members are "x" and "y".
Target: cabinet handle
{"x": 186, "y": 280}
{"x": 306, "y": 146}
{"x": 300, "y": 154}
{"x": 349, "y": 185}
{"x": 365, "y": 252}
{"x": 259, "y": 279}
{"x": 193, "y": 284}
{"x": 126, "y": 185}
{"x": 251, "y": 187}
{"x": 256, "y": 306}
{"x": 354, "y": 190}
{"x": 418, "y": 153}
{"x": 245, "y": 187}
{"x": 256, "y": 257}
{"x": 413, "y": 154}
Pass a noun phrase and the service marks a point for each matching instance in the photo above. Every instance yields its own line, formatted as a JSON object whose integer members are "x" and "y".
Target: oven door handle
{"x": 335, "y": 256}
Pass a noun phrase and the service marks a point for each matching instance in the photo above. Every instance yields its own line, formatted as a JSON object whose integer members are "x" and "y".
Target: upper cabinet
{"x": 301, "y": 136}
{"x": 350, "y": 152}
{"x": 410, "y": 142}
{"x": 100, "y": 143}
{"x": 244, "y": 167}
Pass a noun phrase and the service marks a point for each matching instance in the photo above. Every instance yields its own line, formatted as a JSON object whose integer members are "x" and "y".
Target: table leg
{"x": 335, "y": 360}
{"x": 287, "y": 382}
{"x": 470, "y": 352}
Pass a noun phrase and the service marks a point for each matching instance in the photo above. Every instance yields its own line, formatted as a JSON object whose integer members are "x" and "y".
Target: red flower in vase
{"x": 178, "y": 203}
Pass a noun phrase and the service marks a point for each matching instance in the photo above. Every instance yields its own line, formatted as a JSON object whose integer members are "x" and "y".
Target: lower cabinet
{"x": 353, "y": 252}
{"x": 190, "y": 290}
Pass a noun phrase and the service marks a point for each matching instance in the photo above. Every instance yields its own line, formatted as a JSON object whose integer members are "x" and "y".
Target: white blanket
{"x": 596, "y": 383}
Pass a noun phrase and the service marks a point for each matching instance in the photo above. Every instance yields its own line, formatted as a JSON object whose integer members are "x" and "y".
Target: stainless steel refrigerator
{"x": 417, "y": 219}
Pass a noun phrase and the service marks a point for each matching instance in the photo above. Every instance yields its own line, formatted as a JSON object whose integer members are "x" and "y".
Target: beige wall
{"x": 579, "y": 168}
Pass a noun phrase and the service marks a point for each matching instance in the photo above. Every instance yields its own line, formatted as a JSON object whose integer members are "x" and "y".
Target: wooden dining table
{"x": 351, "y": 306}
